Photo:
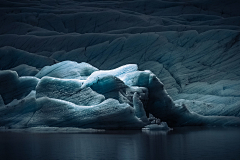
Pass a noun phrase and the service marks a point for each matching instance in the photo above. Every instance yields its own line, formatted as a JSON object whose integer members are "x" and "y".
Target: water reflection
{"x": 181, "y": 143}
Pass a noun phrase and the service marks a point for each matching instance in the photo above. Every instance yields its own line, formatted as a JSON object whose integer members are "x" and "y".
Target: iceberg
{"x": 25, "y": 70}
{"x": 175, "y": 59}
{"x": 157, "y": 127}
{"x": 120, "y": 98}
{"x": 14, "y": 87}
{"x": 109, "y": 114}
{"x": 18, "y": 113}
{"x": 67, "y": 70}
{"x": 68, "y": 90}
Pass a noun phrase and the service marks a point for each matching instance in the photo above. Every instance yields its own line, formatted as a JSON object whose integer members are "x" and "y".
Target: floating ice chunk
{"x": 118, "y": 72}
{"x": 157, "y": 127}
{"x": 111, "y": 87}
{"x": 106, "y": 84}
{"x": 68, "y": 90}
{"x": 25, "y": 70}
{"x": 136, "y": 78}
{"x": 18, "y": 113}
{"x": 67, "y": 70}
{"x": 142, "y": 92}
{"x": 107, "y": 115}
{"x": 129, "y": 96}
{"x": 12, "y": 87}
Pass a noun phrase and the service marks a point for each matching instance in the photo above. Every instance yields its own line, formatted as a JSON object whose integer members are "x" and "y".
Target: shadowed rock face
{"x": 192, "y": 47}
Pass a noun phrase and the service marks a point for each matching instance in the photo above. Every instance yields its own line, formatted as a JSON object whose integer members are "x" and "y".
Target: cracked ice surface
{"x": 191, "y": 46}
{"x": 106, "y": 99}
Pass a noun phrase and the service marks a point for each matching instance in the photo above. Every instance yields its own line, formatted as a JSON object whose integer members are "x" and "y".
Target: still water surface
{"x": 180, "y": 144}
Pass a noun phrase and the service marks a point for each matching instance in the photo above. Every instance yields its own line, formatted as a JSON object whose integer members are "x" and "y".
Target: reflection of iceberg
{"x": 71, "y": 94}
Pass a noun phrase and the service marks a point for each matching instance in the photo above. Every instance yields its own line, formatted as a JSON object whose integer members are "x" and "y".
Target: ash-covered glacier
{"x": 120, "y": 98}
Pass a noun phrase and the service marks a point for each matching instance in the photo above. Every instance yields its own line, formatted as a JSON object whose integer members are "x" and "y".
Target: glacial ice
{"x": 11, "y": 57}
{"x": 14, "y": 87}
{"x": 112, "y": 99}
{"x": 191, "y": 46}
{"x": 17, "y": 114}
{"x": 68, "y": 90}
{"x": 25, "y": 70}
{"x": 157, "y": 127}
{"x": 67, "y": 70}
{"x": 139, "y": 108}
{"x": 118, "y": 72}
{"x": 107, "y": 115}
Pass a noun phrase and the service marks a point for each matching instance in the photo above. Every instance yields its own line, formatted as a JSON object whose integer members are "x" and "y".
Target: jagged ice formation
{"x": 191, "y": 46}
{"x": 110, "y": 99}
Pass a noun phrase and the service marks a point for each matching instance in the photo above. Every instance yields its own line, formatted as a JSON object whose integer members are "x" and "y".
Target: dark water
{"x": 183, "y": 143}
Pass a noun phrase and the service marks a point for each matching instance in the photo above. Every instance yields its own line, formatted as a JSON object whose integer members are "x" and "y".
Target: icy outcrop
{"x": 107, "y": 115}
{"x": 67, "y": 70}
{"x": 14, "y": 87}
{"x": 118, "y": 72}
{"x": 25, "y": 70}
{"x": 157, "y": 127}
{"x": 191, "y": 46}
{"x": 68, "y": 90}
{"x": 184, "y": 43}
{"x": 59, "y": 102}
{"x": 139, "y": 107}
{"x": 120, "y": 98}
{"x": 17, "y": 115}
